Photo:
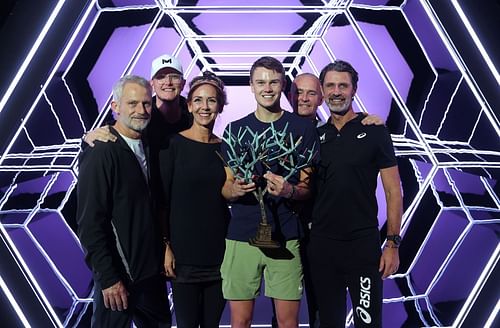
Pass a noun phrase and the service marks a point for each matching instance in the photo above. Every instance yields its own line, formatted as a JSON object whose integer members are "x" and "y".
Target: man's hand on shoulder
{"x": 116, "y": 297}
{"x": 372, "y": 120}
{"x": 102, "y": 134}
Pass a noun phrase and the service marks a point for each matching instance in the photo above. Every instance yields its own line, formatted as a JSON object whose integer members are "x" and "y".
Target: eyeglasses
{"x": 174, "y": 78}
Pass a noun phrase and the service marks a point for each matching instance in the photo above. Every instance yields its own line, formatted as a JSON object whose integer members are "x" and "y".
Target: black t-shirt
{"x": 245, "y": 212}
{"x": 158, "y": 135}
{"x": 345, "y": 205}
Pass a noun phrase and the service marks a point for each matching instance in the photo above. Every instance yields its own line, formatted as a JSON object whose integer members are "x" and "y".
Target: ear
{"x": 190, "y": 106}
{"x": 114, "y": 107}
{"x": 321, "y": 99}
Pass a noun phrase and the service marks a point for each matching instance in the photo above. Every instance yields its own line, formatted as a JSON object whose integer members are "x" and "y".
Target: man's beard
{"x": 340, "y": 110}
{"x": 138, "y": 127}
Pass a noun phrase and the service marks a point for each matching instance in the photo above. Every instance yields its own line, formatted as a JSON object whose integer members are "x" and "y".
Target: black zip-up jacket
{"x": 115, "y": 215}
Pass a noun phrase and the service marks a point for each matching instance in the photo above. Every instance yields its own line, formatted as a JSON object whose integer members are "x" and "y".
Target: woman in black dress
{"x": 193, "y": 176}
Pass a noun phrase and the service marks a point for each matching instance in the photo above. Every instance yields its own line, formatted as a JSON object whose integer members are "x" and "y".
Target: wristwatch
{"x": 396, "y": 239}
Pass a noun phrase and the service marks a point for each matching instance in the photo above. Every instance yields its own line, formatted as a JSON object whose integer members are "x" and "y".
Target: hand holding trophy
{"x": 250, "y": 155}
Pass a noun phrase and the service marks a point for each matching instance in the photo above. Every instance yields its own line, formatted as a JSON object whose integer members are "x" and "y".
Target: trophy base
{"x": 264, "y": 243}
{"x": 263, "y": 237}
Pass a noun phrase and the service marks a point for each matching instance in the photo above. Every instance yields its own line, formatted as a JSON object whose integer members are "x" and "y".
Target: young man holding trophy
{"x": 268, "y": 156}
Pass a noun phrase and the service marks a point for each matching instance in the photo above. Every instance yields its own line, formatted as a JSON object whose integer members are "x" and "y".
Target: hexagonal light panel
{"x": 411, "y": 74}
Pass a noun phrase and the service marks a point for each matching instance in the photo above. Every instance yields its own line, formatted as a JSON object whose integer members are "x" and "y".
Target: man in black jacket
{"x": 116, "y": 225}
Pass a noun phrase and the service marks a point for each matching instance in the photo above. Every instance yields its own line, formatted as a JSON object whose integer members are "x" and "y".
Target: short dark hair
{"x": 340, "y": 66}
{"x": 212, "y": 79}
{"x": 269, "y": 63}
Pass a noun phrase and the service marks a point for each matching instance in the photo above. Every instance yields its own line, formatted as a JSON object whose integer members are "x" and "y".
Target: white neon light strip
{"x": 31, "y": 53}
{"x": 51, "y": 75}
{"x": 493, "y": 315}
{"x": 13, "y": 302}
{"x": 460, "y": 64}
{"x": 390, "y": 85}
{"x": 423, "y": 147}
{"x": 476, "y": 40}
{"x": 30, "y": 278}
{"x": 469, "y": 302}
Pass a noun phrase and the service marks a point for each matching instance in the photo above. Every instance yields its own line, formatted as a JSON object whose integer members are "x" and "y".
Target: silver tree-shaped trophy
{"x": 250, "y": 154}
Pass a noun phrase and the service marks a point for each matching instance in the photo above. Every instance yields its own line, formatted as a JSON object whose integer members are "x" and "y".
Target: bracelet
{"x": 292, "y": 192}
{"x": 166, "y": 242}
{"x": 391, "y": 246}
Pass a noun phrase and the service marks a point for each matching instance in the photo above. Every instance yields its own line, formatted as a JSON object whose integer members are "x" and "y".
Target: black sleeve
{"x": 95, "y": 230}
{"x": 385, "y": 154}
{"x": 167, "y": 161}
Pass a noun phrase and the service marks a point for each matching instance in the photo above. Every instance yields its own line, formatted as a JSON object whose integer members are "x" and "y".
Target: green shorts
{"x": 242, "y": 271}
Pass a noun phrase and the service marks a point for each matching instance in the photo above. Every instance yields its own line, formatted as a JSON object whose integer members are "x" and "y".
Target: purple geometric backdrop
{"x": 444, "y": 130}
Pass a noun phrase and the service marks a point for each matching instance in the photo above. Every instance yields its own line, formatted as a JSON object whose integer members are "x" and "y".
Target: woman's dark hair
{"x": 212, "y": 79}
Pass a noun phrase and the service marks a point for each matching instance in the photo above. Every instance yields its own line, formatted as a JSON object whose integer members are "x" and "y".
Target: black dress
{"x": 192, "y": 177}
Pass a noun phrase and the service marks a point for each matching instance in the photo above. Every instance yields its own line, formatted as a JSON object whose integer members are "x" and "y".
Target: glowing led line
{"x": 314, "y": 32}
{"x": 36, "y": 209}
{"x": 473, "y": 132}
{"x": 490, "y": 190}
{"x": 36, "y": 168}
{"x": 422, "y": 48}
{"x": 476, "y": 40}
{"x": 55, "y": 115}
{"x": 131, "y": 64}
{"x": 243, "y": 54}
{"x": 71, "y": 187}
{"x": 460, "y": 64}
{"x": 429, "y": 61}
{"x": 80, "y": 118}
{"x": 450, "y": 151}
{"x": 101, "y": 115}
{"x": 403, "y": 298}
{"x": 186, "y": 32}
{"x": 375, "y": 7}
{"x": 126, "y": 8}
{"x": 42, "y": 90}
{"x": 31, "y": 53}
{"x": 390, "y": 85}
{"x": 12, "y": 187}
{"x": 469, "y": 164}
{"x": 458, "y": 194}
{"x": 251, "y": 9}
{"x": 420, "y": 250}
{"x": 41, "y": 155}
{"x": 254, "y": 37}
{"x": 145, "y": 40}
{"x": 13, "y": 303}
{"x": 441, "y": 270}
{"x": 457, "y": 87}
{"x": 401, "y": 153}
{"x": 409, "y": 142}
{"x": 56, "y": 158}
{"x": 28, "y": 275}
{"x": 410, "y": 211}
{"x": 247, "y": 64}
{"x": 493, "y": 315}
{"x": 476, "y": 290}
{"x": 64, "y": 282}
